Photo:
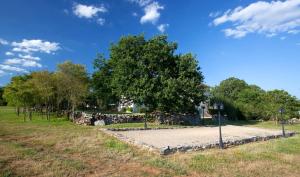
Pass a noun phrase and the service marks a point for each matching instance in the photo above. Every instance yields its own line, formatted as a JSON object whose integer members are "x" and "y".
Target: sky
{"x": 257, "y": 41}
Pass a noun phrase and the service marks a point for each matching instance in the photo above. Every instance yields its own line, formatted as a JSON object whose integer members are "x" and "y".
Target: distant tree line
{"x": 244, "y": 101}
{"x": 45, "y": 92}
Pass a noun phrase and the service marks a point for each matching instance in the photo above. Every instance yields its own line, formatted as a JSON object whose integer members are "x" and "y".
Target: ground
{"x": 191, "y": 137}
{"x": 60, "y": 148}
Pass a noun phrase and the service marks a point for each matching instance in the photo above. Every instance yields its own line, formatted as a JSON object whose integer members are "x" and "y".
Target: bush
{"x": 129, "y": 109}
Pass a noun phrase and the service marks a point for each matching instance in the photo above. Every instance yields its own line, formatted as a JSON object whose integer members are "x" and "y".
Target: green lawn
{"x": 60, "y": 148}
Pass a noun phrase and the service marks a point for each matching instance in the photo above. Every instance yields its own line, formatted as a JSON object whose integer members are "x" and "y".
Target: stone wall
{"x": 106, "y": 119}
{"x": 176, "y": 119}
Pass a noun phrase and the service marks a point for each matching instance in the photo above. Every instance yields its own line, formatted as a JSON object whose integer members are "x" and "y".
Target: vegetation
{"x": 46, "y": 92}
{"x": 243, "y": 101}
{"x": 149, "y": 73}
{"x": 43, "y": 148}
{"x": 2, "y": 101}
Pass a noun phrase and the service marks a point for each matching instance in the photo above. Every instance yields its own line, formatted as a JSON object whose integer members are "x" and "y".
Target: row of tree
{"x": 44, "y": 92}
{"x": 148, "y": 72}
{"x": 244, "y": 101}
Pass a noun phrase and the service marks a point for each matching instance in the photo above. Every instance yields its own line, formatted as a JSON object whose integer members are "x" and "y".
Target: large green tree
{"x": 19, "y": 93}
{"x": 71, "y": 83}
{"x": 43, "y": 85}
{"x": 151, "y": 74}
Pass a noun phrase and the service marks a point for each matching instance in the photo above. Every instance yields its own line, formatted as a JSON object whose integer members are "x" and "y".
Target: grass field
{"x": 60, "y": 148}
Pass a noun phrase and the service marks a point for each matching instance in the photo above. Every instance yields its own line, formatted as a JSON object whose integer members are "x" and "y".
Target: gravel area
{"x": 190, "y": 137}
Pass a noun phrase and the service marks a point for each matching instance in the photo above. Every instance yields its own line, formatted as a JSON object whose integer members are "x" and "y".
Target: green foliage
{"x": 149, "y": 73}
{"x": 129, "y": 109}
{"x": 19, "y": 92}
{"x": 101, "y": 83}
{"x": 45, "y": 90}
{"x": 2, "y": 101}
{"x": 243, "y": 101}
{"x": 72, "y": 83}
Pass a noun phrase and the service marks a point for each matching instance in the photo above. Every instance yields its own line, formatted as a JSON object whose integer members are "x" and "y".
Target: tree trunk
{"x": 30, "y": 114}
{"x": 18, "y": 111}
{"x": 47, "y": 112}
{"x": 24, "y": 113}
{"x": 145, "y": 120}
{"x": 57, "y": 110}
{"x": 73, "y": 111}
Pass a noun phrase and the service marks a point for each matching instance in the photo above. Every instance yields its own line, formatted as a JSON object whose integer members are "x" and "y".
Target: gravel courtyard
{"x": 191, "y": 137}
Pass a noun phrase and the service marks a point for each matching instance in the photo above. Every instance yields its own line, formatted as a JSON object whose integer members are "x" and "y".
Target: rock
{"x": 165, "y": 151}
{"x": 99, "y": 123}
{"x": 294, "y": 121}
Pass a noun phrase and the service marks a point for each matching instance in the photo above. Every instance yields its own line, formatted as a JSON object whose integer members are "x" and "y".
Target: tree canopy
{"x": 243, "y": 101}
{"x": 2, "y": 100}
{"x": 49, "y": 91}
{"x": 149, "y": 73}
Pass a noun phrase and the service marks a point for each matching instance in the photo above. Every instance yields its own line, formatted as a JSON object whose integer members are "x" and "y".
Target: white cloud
{"x": 2, "y": 73}
{"x": 88, "y": 11}
{"x": 29, "y": 57}
{"x": 162, "y": 27}
{"x": 9, "y": 54}
{"x": 294, "y": 31}
{"x": 35, "y": 45}
{"x": 22, "y": 62}
{"x": 268, "y": 18}
{"x": 141, "y": 2}
{"x": 214, "y": 14}
{"x": 234, "y": 33}
{"x": 12, "y": 68}
{"x": 3, "y": 42}
{"x": 23, "y": 58}
{"x": 101, "y": 21}
{"x": 30, "y": 63}
{"x": 282, "y": 38}
{"x": 13, "y": 61}
{"x": 152, "y": 13}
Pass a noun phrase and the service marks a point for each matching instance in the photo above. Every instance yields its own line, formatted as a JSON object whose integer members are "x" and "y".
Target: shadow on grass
{"x": 213, "y": 123}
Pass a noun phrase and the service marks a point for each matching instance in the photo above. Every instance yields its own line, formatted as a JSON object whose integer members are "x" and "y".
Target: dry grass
{"x": 59, "y": 148}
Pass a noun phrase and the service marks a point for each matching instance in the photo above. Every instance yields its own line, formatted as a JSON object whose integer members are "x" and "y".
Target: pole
{"x": 145, "y": 120}
{"x": 282, "y": 124}
{"x": 220, "y": 132}
{"x": 203, "y": 116}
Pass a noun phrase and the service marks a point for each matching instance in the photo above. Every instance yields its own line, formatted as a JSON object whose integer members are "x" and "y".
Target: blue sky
{"x": 255, "y": 41}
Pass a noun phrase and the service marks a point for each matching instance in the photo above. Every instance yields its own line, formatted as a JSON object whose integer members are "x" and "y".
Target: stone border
{"x": 141, "y": 129}
{"x": 171, "y": 150}
{"x": 227, "y": 144}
